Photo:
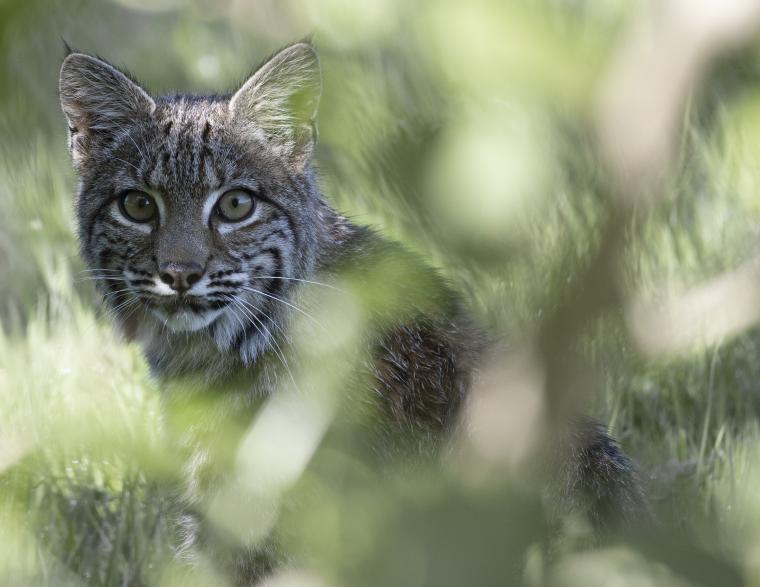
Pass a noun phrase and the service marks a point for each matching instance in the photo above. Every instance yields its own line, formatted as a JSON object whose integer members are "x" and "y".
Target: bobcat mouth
{"x": 184, "y": 304}
{"x": 184, "y": 319}
{"x": 186, "y": 315}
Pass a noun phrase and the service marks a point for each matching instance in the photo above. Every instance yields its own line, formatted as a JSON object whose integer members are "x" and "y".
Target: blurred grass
{"x": 492, "y": 177}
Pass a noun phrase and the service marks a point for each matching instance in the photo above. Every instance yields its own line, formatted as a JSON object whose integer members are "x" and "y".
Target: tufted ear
{"x": 280, "y": 100}
{"x": 98, "y": 100}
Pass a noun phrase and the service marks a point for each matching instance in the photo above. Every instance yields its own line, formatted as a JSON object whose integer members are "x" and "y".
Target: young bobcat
{"x": 202, "y": 220}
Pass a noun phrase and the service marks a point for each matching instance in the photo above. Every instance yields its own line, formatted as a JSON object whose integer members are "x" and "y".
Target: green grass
{"x": 86, "y": 467}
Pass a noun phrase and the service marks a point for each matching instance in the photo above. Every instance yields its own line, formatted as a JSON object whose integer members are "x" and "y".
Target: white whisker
{"x": 117, "y": 292}
{"x": 274, "y": 323}
{"x": 277, "y": 299}
{"x": 98, "y": 278}
{"x": 297, "y": 279}
{"x": 100, "y": 271}
{"x": 277, "y": 350}
{"x": 132, "y": 165}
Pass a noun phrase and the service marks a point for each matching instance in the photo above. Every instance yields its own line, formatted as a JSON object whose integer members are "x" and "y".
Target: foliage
{"x": 466, "y": 130}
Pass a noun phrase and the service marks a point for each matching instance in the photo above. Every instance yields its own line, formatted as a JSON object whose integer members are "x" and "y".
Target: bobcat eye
{"x": 235, "y": 205}
{"x": 138, "y": 206}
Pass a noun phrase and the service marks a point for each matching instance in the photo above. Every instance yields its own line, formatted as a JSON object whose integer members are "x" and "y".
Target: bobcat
{"x": 202, "y": 221}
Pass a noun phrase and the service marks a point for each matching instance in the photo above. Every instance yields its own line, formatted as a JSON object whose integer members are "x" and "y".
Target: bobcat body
{"x": 202, "y": 221}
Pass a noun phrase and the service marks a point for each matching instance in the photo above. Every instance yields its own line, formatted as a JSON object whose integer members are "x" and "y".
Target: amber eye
{"x": 235, "y": 205}
{"x": 138, "y": 206}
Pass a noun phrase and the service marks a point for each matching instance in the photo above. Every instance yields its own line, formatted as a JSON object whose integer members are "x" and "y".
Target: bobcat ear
{"x": 280, "y": 100}
{"x": 98, "y": 100}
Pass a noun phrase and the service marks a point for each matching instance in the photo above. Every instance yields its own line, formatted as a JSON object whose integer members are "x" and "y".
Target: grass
{"x": 84, "y": 459}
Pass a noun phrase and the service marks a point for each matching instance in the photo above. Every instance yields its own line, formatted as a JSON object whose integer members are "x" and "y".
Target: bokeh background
{"x": 586, "y": 172}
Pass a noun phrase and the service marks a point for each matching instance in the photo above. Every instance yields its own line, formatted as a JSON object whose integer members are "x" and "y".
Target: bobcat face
{"x": 193, "y": 220}
{"x": 196, "y": 213}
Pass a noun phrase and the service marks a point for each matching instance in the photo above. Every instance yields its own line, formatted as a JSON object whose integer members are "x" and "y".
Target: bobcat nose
{"x": 180, "y": 276}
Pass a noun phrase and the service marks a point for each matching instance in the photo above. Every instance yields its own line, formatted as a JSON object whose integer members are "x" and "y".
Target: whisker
{"x": 277, "y": 350}
{"x": 241, "y": 303}
{"x": 139, "y": 150}
{"x": 236, "y": 302}
{"x": 107, "y": 271}
{"x": 87, "y": 269}
{"x": 116, "y": 292}
{"x": 297, "y": 279}
{"x": 274, "y": 323}
{"x": 114, "y": 312}
{"x": 98, "y": 278}
{"x": 277, "y": 299}
{"x": 131, "y": 311}
{"x": 242, "y": 324}
{"x": 163, "y": 328}
{"x": 124, "y": 304}
{"x": 126, "y": 134}
{"x": 99, "y": 273}
{"x": 132, "y": 165}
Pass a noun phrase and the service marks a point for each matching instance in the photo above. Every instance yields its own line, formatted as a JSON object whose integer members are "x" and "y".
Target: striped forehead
{"x": 186, "y": 157}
